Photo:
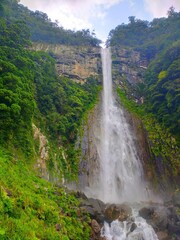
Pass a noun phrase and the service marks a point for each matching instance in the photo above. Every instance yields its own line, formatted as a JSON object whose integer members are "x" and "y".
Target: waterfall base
{"x": 135, "y": 228}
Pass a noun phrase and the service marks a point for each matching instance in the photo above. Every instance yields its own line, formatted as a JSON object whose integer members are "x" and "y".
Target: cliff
{"x": 161, "y": 151}
{"x": 128, "y": 68}
{"x": 75, "y": 62}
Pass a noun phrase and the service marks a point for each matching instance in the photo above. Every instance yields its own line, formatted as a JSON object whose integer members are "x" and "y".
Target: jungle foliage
{"x": 150, "y": 38}
{"x": 159, "y": 43}
{"x": 32, "y": 93}
{"x": 42, "y": 29}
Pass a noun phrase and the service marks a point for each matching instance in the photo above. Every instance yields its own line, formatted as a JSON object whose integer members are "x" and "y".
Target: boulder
{"x": 133, "y": 227}
{"x": 96, "y": 231}
{"x": 162, "y": 236}
{"x": 174, "y": 220}
{"x": 146, "y": 212}
{"x": 117, "y": 211}
{"x": 94, "y": 207}
{"x": 162, "y": 219}
{"x": 95, "y": 226}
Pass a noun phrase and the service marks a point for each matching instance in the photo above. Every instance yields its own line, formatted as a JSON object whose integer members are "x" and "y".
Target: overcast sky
{"x": 100, "y": 15}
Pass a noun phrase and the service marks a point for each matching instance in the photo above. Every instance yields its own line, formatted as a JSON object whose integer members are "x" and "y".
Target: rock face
{"x": 128, "y": 67}
{"x": 43, "y": 153}
{"x": 76, "y": 62}
{"x": 88, "y": 142}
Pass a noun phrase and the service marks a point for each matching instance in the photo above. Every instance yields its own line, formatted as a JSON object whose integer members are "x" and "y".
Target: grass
{"x": 32, "y": 208}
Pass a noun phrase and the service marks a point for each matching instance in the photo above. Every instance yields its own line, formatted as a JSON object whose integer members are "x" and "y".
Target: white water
{"x": 122, "y": 230}
{"x": 121, "y": 172}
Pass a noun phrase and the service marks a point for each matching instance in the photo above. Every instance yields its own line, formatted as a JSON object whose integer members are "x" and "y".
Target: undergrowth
{"x": 32, "y": 208}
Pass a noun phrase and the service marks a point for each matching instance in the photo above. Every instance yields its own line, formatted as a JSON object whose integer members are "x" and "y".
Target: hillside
{"x": 40, "y": 118}
{"x": 146, "y": 72}
{"x": 158, "y": 43}
{"x": 42, "y": 29}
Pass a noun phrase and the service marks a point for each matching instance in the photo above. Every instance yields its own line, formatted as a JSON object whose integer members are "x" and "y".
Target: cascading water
{"x": 122, "y": 230}
{"x": 121, "y": 172}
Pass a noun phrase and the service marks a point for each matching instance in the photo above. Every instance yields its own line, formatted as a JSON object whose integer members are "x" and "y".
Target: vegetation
{"x": 150, "y": 38}
{"x": 31, "y": 208}
{"x": 163, "y": 88}
{"x": 42, "y": 29}
{"x": 158, "y": 42}
{"x": 32, "y": 93}
{"x": 163, "y": 144}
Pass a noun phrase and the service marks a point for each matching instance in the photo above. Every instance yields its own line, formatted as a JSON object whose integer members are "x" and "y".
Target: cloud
{"x": 73, "y": 14}
{"x": 132, "y": 3}
{"x": 159, "y": 8}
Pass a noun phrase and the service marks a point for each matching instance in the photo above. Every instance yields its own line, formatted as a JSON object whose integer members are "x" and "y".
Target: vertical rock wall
{"x": 75, "y": 62}
{"x": 128, "y": 68}
{"x": 89, "y": 163}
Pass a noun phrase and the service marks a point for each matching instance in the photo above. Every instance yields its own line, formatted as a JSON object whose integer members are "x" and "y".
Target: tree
{"x": 131, "y": 19}
{"x": 1, "y": 5}
{"x": 171, "y": 11}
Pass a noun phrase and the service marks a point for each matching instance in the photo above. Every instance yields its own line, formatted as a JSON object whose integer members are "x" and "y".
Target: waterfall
{"x": 121, "y": 172}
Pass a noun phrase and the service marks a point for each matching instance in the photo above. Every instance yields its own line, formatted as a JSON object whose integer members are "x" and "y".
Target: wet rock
{"x": 176, "y": 199}
{"x": 174, "y": 228}
{"x": 173, "y": 220}
{"x": 94, "y": 207}
{"x": 162, "y": 236}
{"x": 96, "y": 231}
{"x": 156, "y": 217}
{"x": 133, "y": 227}
{"x": 117, "y": 211}
{"x": 146, "y": 212}
{"x": 95, "y": 226}
{"x": 81, "y": 195}
{"x": 162, "y": 219}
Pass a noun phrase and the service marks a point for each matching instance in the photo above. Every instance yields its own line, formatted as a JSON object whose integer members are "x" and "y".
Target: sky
{"x": 100, "y": 15}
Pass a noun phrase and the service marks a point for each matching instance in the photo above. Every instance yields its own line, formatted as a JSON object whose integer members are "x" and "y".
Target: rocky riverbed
{"x": 163, "y": 217}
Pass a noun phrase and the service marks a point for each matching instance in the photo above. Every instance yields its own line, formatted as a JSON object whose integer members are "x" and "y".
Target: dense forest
{"x": 31, "y": 93}
{"x": 159, "y": 43}
{"x": 42, "y": 29}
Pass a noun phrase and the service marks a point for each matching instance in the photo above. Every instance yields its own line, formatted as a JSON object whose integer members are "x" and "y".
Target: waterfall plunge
{"x": 121, "y": 173}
